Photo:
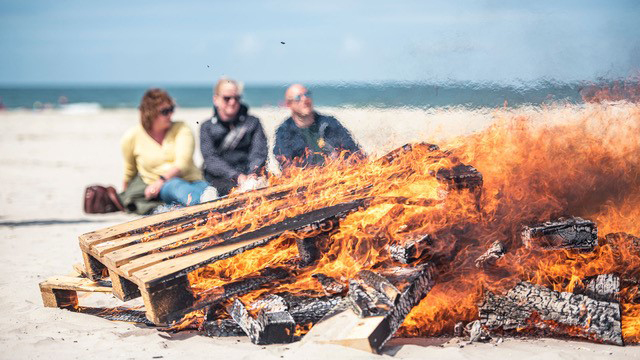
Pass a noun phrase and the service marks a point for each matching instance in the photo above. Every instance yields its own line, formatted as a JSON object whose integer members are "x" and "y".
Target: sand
{"x": 46, "y": 160}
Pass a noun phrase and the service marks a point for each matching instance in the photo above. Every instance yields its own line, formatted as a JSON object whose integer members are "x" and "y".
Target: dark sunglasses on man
{"x": 299, "y": 96}
{"x": 228, "y": 98}
{"x": 167, "y": 111}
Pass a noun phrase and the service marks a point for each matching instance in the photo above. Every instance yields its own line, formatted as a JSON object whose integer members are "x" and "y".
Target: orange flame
{"x": 537, "y": 163}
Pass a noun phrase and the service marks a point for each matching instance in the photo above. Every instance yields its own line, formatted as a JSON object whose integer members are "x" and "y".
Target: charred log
{"x": 343, "y": 326}
{"x": 492, "y": 255}
{"x": 602, "y": 288}
{"x": 330, "y": 285}
{"x": 273, "y": 324}
{"x": 529, "y": 307}
{"x": 309, "y": 310}
{"x": 407, "y": 251}
{"x": 573, "y": 233}
{"x": 211, "y": 297}
{"x": 222, "y": 328}
{"x": 366, "y": 301}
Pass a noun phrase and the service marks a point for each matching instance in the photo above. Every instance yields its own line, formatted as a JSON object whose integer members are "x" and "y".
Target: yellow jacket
{"x": 144, "y": 156}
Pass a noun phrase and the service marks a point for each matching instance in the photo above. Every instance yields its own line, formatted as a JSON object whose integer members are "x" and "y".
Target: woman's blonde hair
{"x": 151, "y": 100}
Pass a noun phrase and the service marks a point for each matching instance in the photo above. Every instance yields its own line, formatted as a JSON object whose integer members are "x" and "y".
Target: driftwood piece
{"x": 491, "y": 256}
{"x": 330, "y": 285}
{"x": 460, "y": 177}
{"x": 273, "y": 325}
{"x": 604, "y": 287}
{"x": 529, "y": 307}
{"x": 573, "y": 233}
{"x": 344, "y": 327}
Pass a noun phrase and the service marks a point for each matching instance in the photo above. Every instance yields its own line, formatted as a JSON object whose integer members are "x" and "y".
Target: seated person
{"x": 306, "y": 138}
{"x": 158, "y": 159}
{"x": 233, "y": 144}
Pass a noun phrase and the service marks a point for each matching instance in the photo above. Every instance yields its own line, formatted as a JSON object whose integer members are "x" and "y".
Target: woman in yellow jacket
{"x": 158, "y": 158}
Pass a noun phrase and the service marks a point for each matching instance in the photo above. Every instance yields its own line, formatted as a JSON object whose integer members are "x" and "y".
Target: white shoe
{"x": 209, "y": 194}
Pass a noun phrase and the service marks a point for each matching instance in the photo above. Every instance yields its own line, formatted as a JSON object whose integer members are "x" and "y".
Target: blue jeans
{"x": 183, "y": 192}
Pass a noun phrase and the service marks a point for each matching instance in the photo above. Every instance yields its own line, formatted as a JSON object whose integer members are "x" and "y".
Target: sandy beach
{"x": 47, "y": 159}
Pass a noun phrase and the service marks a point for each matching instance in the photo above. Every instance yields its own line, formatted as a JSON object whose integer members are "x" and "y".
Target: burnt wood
{"x": 572, "y": 233}
{"x": 365, "y": 301}
{"x": 534, "y": 308}
{"x": 604, "y": 287}
{"x": 323, "y": 215}
{"x": 263, "y": 278}
{"x": 117, "y": 314}
{"x": 330, "y": 285}
{"x": 273, "y": 325}
{"x": 491, "y": 256}
{"x": 407, "y": 250}
{"x": 309, "y": 310}
{"x": 460, "y": 177}
{"x": 343, "y": 326}
{"x": 222, "y": 328}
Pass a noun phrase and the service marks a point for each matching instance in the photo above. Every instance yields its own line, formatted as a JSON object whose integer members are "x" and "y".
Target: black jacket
{"x": 291, "y": 143}
{"x": 233, "y": 148}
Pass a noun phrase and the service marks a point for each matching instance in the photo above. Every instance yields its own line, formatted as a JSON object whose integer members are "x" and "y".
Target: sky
{"x": 275, "y": 42}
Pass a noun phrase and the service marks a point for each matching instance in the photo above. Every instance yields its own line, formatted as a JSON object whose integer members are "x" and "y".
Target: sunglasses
{"x": 299, "y": 96}
{"x": 228, "y": 98}
{"x": 167, "y": 111}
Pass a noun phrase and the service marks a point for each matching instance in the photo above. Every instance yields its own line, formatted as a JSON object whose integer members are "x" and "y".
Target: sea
{"x": 341, "y": 95}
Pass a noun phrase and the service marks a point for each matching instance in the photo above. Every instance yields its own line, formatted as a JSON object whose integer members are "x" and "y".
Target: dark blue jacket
{"x": 226, "y": 155}
{"x": 291, "y": 143}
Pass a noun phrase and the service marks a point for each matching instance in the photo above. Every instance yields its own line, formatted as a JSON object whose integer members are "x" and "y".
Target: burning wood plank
{"x": 343, "y": 326}
{"x": 460, "y": 177}
{"x": 216, "y": 295}
{"x": 162, "y": 277}
{"x": 533, "y": 307}
{"x": 330, "y": 285}
{"x": 573, "y": 233}
{"x": 492, "y": 255}
{"x": 273, "y": 324}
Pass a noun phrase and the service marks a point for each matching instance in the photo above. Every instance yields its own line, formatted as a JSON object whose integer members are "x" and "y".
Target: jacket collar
{"x": 240, "y": 117}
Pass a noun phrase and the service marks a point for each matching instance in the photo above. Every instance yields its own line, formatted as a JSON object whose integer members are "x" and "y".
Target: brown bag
{"x": 99, "y": 200}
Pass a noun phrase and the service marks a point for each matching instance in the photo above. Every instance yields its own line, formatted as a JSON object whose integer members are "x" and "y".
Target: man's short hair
{"x": 225, "y": 80}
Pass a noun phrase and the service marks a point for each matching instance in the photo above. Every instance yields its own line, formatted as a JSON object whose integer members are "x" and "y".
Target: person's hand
{"x": 152, "y": 191}
{"x": 125, "y": 185}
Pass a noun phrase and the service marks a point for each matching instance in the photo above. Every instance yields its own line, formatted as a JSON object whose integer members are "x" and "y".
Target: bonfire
{"x": 526, "y": 228}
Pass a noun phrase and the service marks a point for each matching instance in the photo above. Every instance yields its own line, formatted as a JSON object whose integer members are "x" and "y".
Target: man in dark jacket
{"x": 307, "y": 138}
{"x": 233, "y": 144}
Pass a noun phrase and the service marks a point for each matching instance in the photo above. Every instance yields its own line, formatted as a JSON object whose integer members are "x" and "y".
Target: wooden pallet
{"x": 62, "y": 291}
{"x": 138, "y": 257}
